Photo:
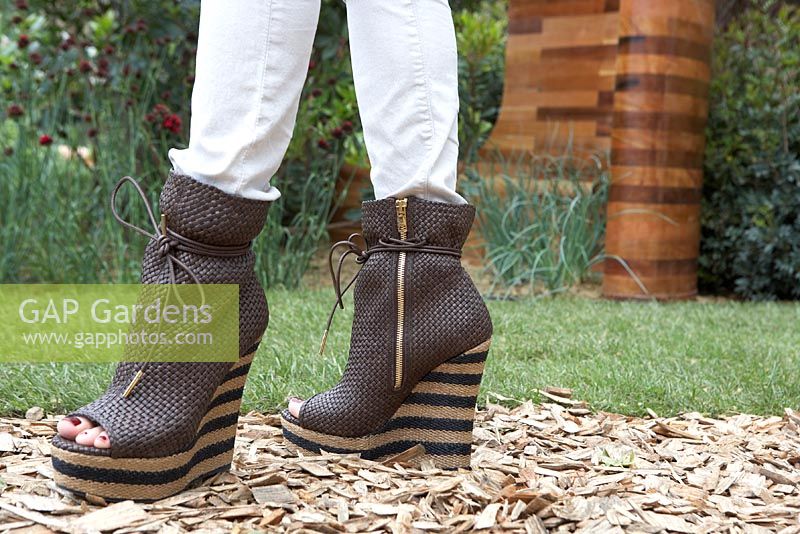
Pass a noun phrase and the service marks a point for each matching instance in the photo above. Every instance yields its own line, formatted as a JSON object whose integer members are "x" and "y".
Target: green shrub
{"x": 481, "y": 38}
{"x": 751, "y": 196}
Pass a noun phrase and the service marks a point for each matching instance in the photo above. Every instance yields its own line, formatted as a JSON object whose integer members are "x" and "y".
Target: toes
{"x": 294, "y": 406}
{"x": 88, "y": 436}
{"x": 69, "y": 427}
{"x": 102, "y": 441}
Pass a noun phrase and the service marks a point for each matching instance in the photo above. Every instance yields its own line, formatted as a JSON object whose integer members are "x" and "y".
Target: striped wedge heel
{"x": 151, "y": 479}
{"x": 438, "y": 414}
{"x": 172, "y": 424}
{"x": 418, "y": 345}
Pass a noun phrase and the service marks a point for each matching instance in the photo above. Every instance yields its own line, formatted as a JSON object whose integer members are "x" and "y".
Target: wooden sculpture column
{"x": 660, "y": 109}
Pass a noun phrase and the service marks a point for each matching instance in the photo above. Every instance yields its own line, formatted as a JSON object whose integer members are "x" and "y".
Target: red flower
{"x": 347, "y": 126}
{"x": 45, "y": 140}
{"x": 92, "y": 132}
{"x": 22, "y": 4}
{"x": 172, "y": 123}
{"x": 108, "y": 49}
{"x": 85, "y": 66}
{"x": 323, "y": 144}
{"x": 338, "y": 133}
{"x": 23, "y": 41}
{"x": 8, "y": 151}
{"x": 312, "y": 64}
{"x": 15, "y": 110}
{"x": 36, "y": 58}
{"x": 67, "y": 43}
{"x": 16, "y": 19}
{"x": 316, "y": 92}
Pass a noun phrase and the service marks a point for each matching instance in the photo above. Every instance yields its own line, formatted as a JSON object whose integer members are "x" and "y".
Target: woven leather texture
{"x": 445, "y": 316}
{"x": 206, "y": 214}
{"x": 161, "y": 416}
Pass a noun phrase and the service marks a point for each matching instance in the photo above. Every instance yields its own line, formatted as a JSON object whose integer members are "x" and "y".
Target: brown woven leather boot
{"x": 171, "y": 424}
{"x": 420, "y": 337}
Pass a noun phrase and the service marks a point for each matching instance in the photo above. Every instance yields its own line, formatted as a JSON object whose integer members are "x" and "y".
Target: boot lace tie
{"x": 362, "y": 254}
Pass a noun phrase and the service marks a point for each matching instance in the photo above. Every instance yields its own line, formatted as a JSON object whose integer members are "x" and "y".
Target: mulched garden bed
{"x": 556, "y": 466}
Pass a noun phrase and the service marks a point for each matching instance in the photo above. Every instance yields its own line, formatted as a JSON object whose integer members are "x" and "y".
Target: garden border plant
{"x": 751, "y": 194}
{"x": 541, "y": 219}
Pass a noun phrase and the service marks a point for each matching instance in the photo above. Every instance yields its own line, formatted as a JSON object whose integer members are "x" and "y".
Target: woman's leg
{"x": 252, "y": 60}
{"x": 405, "y": 68}
{"x": 406, "y": 77}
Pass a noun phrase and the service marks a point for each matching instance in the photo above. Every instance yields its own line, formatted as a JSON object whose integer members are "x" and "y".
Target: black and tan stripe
{"x": 149, "y": 479}
{"x": 438, "y": 414}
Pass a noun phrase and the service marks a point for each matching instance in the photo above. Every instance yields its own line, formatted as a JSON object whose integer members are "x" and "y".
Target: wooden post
{"x": 658, "y": 139}
{"x": 559, "y": 79}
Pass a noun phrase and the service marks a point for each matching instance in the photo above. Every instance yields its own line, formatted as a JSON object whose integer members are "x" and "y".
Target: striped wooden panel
{"x": 559, "y": 83}
{"x": 657, "y": 141}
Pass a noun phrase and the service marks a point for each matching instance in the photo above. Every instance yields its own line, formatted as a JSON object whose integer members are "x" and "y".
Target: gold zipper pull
{"x": 402, "y": 224}
{"x": 136, "y": 378}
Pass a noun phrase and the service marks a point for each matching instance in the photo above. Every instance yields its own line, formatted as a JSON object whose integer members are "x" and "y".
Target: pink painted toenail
{"x": 74, "y": 420}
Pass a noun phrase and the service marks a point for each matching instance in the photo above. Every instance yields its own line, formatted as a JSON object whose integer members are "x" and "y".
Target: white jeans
{"x": 252, "y": 59}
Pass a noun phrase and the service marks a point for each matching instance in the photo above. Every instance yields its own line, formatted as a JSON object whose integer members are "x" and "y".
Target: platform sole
{"x": 438, "y": 414}
{"x": 151, "y": 479}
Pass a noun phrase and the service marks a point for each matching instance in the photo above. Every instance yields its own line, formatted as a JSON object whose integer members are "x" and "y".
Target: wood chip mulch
{"x": 556, "y": 466}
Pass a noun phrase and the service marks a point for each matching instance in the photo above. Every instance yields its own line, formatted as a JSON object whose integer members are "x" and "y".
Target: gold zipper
{"x": 402, "y": 228}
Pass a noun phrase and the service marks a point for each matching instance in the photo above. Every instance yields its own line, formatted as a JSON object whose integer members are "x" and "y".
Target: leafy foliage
{"x": 751, "y": 196}
{"x": 481, "y": 39}
{"x": 542, "y": 225}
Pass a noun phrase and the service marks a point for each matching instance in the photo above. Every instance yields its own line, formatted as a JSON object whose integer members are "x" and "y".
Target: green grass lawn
{"x": 622, "y": 357}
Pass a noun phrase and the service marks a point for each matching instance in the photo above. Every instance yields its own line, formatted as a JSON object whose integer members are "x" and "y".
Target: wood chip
{"x": 113, "y": 517}
{"x": 557, "y": 466}
{"x": 35, "y": 413}
{"x": 776, "y": 476}
{"x": 7, "y": 442}
{"x": 565, "y": 393}
{"x": 276, "y": 495}
{"x": 488, "y": 517}
{"x": 667, "y": 430}
{"x": 414, "y": 452}
{"x": 316, "y": 469}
